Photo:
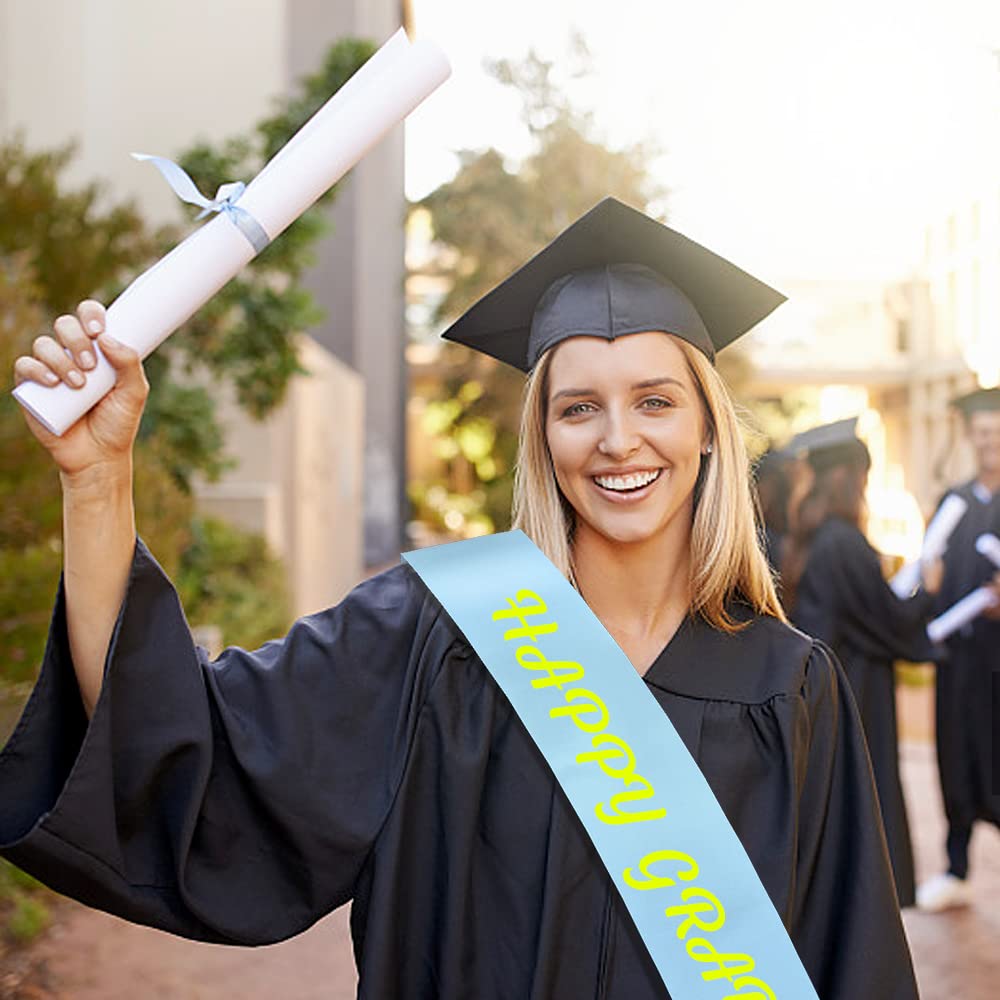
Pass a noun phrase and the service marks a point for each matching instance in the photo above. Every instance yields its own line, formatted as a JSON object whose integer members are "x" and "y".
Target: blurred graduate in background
{"x": 773, "y": 479}
{"x": 835, "y": 591}
{"x": 968, "y": 682}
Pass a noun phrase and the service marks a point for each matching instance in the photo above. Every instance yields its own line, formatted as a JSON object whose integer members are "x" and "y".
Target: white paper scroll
{"x": 988, "y": 545}
{"x": 972, "y": 605}
{"x": 382, "y": 92}
{"x": 944, "y": 522}
{"x": 958, "y": 615}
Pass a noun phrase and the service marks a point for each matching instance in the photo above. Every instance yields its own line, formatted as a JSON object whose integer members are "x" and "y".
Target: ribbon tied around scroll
{"x": 225, "y": 200}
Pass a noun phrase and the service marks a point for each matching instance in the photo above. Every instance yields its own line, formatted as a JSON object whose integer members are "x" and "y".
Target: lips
{"x": 628, "y": 488}
{"x": 625, "y": 481}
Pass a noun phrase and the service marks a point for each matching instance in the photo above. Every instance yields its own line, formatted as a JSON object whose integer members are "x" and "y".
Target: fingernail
{"x": 86, "y": 359}
{"x": 51, "y": 378}
{"x": 94, "y": 326}
{"x": 75, "y": 378}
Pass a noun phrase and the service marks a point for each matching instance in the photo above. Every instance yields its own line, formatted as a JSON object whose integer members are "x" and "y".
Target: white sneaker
{"x": 943, "y": 892}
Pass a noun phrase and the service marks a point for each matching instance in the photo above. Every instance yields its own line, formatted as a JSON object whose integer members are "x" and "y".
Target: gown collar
{"x": 764, "y": 659}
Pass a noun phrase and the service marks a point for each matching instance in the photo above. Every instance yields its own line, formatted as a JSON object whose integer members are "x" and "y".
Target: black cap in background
{"x": 978, "y": 401}
{"x": 830, "y": 444}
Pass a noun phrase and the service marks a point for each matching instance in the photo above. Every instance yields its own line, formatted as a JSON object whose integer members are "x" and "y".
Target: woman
{"x": 368, "y": 755}
{"x": 773, "y": 479}
{"x": 836, "y": 592}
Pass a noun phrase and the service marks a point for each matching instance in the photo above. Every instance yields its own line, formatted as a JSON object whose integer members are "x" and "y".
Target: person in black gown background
{"x": 369, "y": 757}
{"x": 835, "y": 591}
{"x": 773, "y": 480}
{"x": 967, "y": 703}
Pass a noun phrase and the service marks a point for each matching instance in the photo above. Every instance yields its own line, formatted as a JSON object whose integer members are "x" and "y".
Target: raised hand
{"x": 103, "y": 437}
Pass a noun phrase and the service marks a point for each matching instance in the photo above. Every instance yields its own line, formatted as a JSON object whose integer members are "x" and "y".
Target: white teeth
{"x": 629, "y": 482}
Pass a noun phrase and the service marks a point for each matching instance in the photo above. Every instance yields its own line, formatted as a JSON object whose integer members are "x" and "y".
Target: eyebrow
{"x": 649, "y": 383}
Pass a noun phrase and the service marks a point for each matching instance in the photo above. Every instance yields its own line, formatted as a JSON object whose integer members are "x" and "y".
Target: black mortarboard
{"x": 975, "y": 402}
{"x": 830, "y": 444}
{"x": 613, "y": 272}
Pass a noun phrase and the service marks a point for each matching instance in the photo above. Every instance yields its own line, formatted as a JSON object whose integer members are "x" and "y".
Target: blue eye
{"x": 574, "y": 410}
{"x": 661, "y": 403}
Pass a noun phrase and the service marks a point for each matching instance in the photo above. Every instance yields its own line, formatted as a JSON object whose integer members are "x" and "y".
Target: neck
{"x": 641, "y": 590}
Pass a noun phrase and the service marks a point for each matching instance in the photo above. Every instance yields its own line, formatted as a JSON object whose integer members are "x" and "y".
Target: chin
{"x": 629, "y": 531}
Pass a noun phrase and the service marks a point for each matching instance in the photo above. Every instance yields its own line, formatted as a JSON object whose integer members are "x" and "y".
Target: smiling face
{"x": 626, "y": 429}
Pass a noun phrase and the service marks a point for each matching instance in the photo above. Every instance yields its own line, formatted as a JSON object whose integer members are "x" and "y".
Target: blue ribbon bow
{"x": 224, "y": 201}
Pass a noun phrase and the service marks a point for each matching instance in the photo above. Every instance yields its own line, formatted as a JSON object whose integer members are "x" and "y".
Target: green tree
{"x": 60, "y": 244}
{"x": 495, "y": 215}
{"x": 30, "y": 498}
{"x": 492, "y": 216}
{"x": 232, "y": 579}
{"x": 245, "y": 334}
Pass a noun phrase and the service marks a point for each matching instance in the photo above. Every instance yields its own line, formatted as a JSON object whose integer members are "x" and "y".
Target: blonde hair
{"x": 726, "y": 556}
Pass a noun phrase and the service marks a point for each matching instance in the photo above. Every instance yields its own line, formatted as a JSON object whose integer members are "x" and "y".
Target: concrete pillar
{"x": 359, "y": 274}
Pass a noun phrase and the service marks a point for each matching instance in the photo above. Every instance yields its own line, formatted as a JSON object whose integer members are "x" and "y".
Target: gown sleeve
{"x": 843, "y": 597}
{"x": 233, "y": 801}
{"x": 845, "y": 922}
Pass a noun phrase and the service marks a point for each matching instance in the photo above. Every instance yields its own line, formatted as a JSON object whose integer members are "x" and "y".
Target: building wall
{"x": 962, "y": 264}
{"x": 121, "y": 77}
{"x": 906, "y": 346}
{"x": 359, "y": 276}
{"x": 299, "y": 478}
{"x": 962, "y": 349}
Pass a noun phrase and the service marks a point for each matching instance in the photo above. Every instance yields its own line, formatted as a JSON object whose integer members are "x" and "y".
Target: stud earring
{"x": 708, "y": 450}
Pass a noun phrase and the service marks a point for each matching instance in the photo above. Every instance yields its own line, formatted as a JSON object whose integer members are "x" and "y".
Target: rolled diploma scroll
{"x": 381, "y": 93}
{"x": 988, "y": 545}
{"x": 944, "y": 522}
{"x": 961, "y": 613}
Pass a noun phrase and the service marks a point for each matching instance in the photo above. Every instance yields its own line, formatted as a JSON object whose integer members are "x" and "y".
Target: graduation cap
{"x": 830, "y": 444}
{"x": 613, "y": 272}
{"x": 978, "y": 401}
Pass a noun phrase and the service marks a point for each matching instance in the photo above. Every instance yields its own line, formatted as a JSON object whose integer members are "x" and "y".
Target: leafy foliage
{"x": 23, "y": 910}
{"x": 60, "y": 244}
{"x": 493, "y": 216}
{"x": 245, "y": 334}
{"x": 496, "y": 215}
{"x": 228, "y": 577}
{"x": 69, "y": 245}
{"x": 30, "y": 496}
{"x": 474, "y": 492}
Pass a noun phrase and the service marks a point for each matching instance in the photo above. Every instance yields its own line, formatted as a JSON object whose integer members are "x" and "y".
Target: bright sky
{"x": 806, "y": 138}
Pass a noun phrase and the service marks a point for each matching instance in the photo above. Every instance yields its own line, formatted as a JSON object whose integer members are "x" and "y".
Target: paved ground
{"x": 90, "y": 956}
{"x": 956, "y": 953}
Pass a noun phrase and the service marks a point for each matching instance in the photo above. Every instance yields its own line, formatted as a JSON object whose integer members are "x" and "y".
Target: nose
{"x": 619, "y": 438}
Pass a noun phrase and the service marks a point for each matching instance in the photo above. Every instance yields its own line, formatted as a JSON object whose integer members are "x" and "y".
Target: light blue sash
{"x": 703, "y": 914}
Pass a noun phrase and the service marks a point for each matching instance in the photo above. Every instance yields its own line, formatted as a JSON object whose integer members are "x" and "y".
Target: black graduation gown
{"x": 844, "y": 600}
{"x": 369, "y": 756}
{"x": 968, "y": 678}
{"x": 774, "y": 541}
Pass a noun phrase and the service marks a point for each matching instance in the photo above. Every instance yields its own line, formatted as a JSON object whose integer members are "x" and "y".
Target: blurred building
{"x": 118, "y": 76}
{"x": 898, "y": 353}
{"x": 841, "y": 348}
{"x": 895, "y": 354}
{"x": 299, "y": 478}
{"x": 960, "y": 346}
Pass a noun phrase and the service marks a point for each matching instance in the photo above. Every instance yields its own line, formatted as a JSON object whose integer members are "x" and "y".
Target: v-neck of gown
{"x": 752, "y": 665}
